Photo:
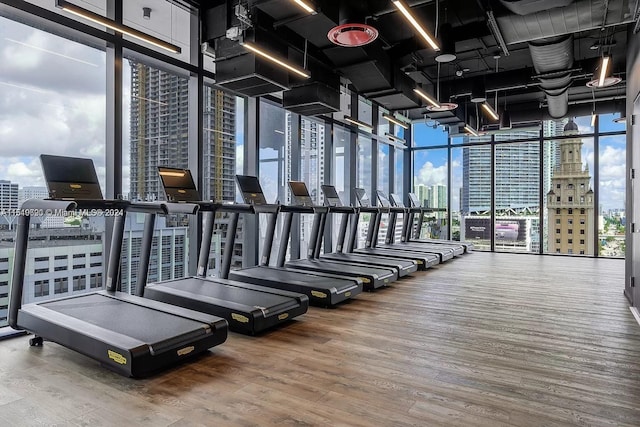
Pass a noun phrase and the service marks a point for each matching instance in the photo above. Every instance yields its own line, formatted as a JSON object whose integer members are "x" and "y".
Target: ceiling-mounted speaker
{"x": 447, "y": 44}
{"x": 478, "y": 93}
{"x": 352, "y": 31}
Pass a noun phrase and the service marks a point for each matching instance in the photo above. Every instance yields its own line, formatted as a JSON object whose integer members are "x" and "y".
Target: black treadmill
{"x": 323, "y": 289}
{"x": 396, "y": 202}
{"x": 332, "y": 200}
{"x": 374, "y": 277}
{"x": 445, "y": 254}
{"x": 415, "y": 236}
{"x": 130, "y": 335}
{"x": 424, "y": 260}
{"x": 248, "y": 308}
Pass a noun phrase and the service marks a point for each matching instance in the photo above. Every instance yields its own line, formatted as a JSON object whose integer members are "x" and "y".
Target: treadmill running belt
{"x": 228, "y": 292}
{"x": 141, "y": 323}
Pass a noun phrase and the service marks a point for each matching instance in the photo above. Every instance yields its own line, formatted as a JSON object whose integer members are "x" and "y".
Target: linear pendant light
{"x": 393, "y": 120}
{"x": 409, "y": 17}
{"x": 109, "y": 23}
{"x": 471, "y": 130}
{"x": 255, "y": 49}
{"x": 428, "y": 98}
{"x": 489, "y": 110}
{"x": 305, "y": 6}
{"x": 603, "y": 70}
{"x": 358, "y": 123}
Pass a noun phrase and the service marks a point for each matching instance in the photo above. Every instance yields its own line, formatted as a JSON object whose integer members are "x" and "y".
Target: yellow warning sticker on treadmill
{"x": 283, "y": 316}
{"x": 186, "y": 350}
{"x": 239, "y": 318}
{"x": 318, "y": 294}
{"x": 347, "y": 294}
{"x": 364, "y": 280}
{"x": 117, "y": 357}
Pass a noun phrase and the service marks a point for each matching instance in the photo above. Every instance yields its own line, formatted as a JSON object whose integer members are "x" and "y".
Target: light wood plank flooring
{"x": 486, "y": 339}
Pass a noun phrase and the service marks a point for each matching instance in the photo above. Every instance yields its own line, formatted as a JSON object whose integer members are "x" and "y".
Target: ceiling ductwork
{"x": 527, "y": 7}
{"x": 552, "y": 60}
{"x": 552, "y": 21}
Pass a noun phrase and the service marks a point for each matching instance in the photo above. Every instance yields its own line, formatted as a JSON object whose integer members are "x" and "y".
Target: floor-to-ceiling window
{"x": 556, "y": 188}
{"x": 53, "y": 102}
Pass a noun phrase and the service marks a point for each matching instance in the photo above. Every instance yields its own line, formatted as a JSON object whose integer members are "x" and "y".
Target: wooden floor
{"x": 486, "y": 339}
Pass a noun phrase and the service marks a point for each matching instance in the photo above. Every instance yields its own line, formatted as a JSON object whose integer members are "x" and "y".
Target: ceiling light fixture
{"x": 621, "y": 119}
{"x": 428, "y": 98}
{"x": 394, "y": 120}
{"x": 489, "y": 110}
{"x": 358, "y": 123}
{"x": 394, "y": 138}
{"x": 603, "y": 70}
{"x": 471, "y": 130}
{"x": 101, "y": 20}
{"x": 255, "y": 49}
{"x": 594, "y": 116}
{"x": 146, "y": 13}
{"x": 305, "y": 6}
{"x": 405, "y": 11}
{"x": 603, "y": 80}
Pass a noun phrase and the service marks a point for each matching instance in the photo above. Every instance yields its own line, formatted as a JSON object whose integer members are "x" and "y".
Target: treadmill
{"x": 130, "y": 335}
{"x": 445, "y": 254}
{"x": 332, "y": 200}
{"x": 396, "y": 201}
{"x": 248, "y": 308}
{"x": 374, "y": 277}
{"x": 424, "y": 260}
{"x": 323, "y": 289}
{"x": 417, "y": 209}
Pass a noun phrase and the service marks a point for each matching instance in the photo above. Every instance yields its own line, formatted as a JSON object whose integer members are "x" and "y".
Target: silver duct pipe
{"x": 552, "y": 56}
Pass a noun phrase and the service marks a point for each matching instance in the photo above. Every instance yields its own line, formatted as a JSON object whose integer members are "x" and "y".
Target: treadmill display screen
{"x": 396, "y": 200}
{"x": 300, "y": 193}
{"x": 361, "y": 197}
{"x": 70, "y": 177}
{"x": 383, "y": 199}
{"x": 331, "y": 196}
{"x": 251, "y": 190}
{"x": 414, "y": 200}
{"x": 178, "y": 184}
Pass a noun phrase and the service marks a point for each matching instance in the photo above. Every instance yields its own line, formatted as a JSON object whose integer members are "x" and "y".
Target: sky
{"x": 53, "y": 101}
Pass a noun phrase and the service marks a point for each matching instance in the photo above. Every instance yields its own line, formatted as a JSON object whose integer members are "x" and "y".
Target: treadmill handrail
{"x": 305, "y": 209}
{"x": 44, "y": 204}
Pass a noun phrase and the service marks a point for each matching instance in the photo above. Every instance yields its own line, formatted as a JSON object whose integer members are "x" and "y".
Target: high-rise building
{"x": 570, "y": 202}
{"x": 159, "y": 128}
{"x": 8, "y": 194}
{"x": 517, "y": 179}
{"x": 159, "y": 134}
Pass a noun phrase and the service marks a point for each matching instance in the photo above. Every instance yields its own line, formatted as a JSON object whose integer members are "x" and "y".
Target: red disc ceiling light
{"x": 352, "y": 35}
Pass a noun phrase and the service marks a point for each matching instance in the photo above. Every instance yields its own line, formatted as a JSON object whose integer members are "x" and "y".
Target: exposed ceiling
{"x": 551, "y": 49}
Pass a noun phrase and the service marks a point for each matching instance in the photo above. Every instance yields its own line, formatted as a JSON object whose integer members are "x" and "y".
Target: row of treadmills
{"x": 137, "y": 335}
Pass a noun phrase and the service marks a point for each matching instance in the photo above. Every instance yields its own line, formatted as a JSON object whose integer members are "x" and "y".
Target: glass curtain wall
{"x": 53, "y": 102}
{"x": 498, "y": 182}
{"x": 222, "y": 159}
{"x": 156, "y": 133}
{"x": 312, "y": 149}
{"x": 274, "y": 156}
